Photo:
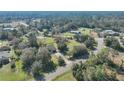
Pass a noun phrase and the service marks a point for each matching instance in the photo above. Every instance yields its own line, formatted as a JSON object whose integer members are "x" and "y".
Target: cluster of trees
{"x": 87, "y": 40}
{"x": 9, "y": 35}
{"x": 96, "y": 68}
{"x": 36, "y": 61}
{"x": 62, "y": 44}
{"x": 60, "y": 23}
{"x": 112, "y": 42}
{"x": 122, "y": 39}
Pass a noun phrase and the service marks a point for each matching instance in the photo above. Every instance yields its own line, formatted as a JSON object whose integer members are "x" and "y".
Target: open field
{"x": 68, "y": 34}
{"x": 3, "y": 43}
{"x": 85, "y": 31}
{"x": 72, "y": 43}
{"x": 7, "y": 74}
{"x": 88, "y": 31}
{"x": 67, "y": 76}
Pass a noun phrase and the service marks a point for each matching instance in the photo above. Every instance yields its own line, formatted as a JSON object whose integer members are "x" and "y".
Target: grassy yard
{"x": 47, "y": 40}
{"x": 67, "y": 76}
{"x": 55, "y": 59}
{"x": 24, "y": 39}
{"x": 68, "y": 34}
{"x": 72, "y": 43}
{"x": 6, "y": 73}
{"x": 86, "y": 31}
{"x": 3, "y": 43}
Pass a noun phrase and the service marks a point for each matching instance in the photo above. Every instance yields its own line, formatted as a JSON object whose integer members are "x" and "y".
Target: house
{"x": 75, "y": 32}
{"x": 8, "y": 29}
{"x": 109, "y": 33}
{"x": 4, "y": 54}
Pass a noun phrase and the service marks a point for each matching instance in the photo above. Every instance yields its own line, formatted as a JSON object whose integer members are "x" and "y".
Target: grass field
{"x": 68, "y": 34}
{"x": 3, "y": 43}
{"x": 85, "y": 31}
{"x": 72, "y": 43}
{"x": 67, "y": 76}
{"x": 7, "y": 74}
{"x": 55, "y": 59}
{"x": 47, "y": 40}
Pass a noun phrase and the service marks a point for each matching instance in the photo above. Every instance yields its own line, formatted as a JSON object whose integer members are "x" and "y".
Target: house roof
{"x": 75, "y": 31}
{"x": 109, "y": 31}
{"x": 4, "y": 54}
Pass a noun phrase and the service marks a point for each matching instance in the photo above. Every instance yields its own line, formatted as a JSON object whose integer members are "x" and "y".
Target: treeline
{"x": 66, "y": 21}
{"x": 73, "y": 22}
{"x": 60, "y": 23}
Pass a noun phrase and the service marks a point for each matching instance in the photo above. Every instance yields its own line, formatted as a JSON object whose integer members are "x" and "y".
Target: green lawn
{"x": 54, "y": 58}
{"x": 3, "y": 42}
{"x": 68, "y": 34}
{"x": 86, "y": 31}
{"x": 72, "y": 43}
{"x": 7, "y": 74}
{"x": 67, "y": 76}
{"x": 47, "y": 40}
{"x": 24, "y": 39}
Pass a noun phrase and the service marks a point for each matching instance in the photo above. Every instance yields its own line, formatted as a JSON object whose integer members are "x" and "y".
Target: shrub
{"x": 79, "y": 51}
{"x": 94, "y": 69}
{"x": 61, "y": 61}
{"x": 112, "y": 42}
{"x": 90, "y": 43}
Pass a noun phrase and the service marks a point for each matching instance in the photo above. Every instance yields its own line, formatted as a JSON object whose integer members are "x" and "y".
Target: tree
{"x": 122, "y": 41}
{"x": 37, "y": 70}
{"x": 33, "y": 40}
{"x": 81, "y": 38}
{"x": 13, "y": 65}
{"x": 112, "y": 42}
{"x": 28, "y": 57}
{"x": 94, "y": 69}
{"x": 61, "y": 61}
{"x": 90, "y": 43}
{"x": 46, "y": 32}
{"x": 79, "y": 51}
{"x": 44, "y": 57}
{"x": 15, "y": 42}
{"x": 62, "y": 46}
{"x": 3, "y": 35}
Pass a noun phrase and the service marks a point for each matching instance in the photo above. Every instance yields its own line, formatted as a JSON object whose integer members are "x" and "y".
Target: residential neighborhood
{"x": 59, "y": 47}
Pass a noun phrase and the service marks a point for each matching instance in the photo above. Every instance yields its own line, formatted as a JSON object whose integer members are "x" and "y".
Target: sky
{"x": 61, "y": 5}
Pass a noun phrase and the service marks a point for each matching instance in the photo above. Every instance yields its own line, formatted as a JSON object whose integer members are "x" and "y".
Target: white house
{"x": 75, "y": 32}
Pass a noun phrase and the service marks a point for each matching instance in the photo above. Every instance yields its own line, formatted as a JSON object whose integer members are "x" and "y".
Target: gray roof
{"x": 75, "y": 31}
{"x": 4, "y": 54}
{"x": 109, "y": 31}
{"x": 5, "y": 29}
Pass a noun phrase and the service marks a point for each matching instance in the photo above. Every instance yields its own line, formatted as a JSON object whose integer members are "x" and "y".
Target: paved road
{"x": 61, "y": 70}
{"x": 100, "y": 45}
